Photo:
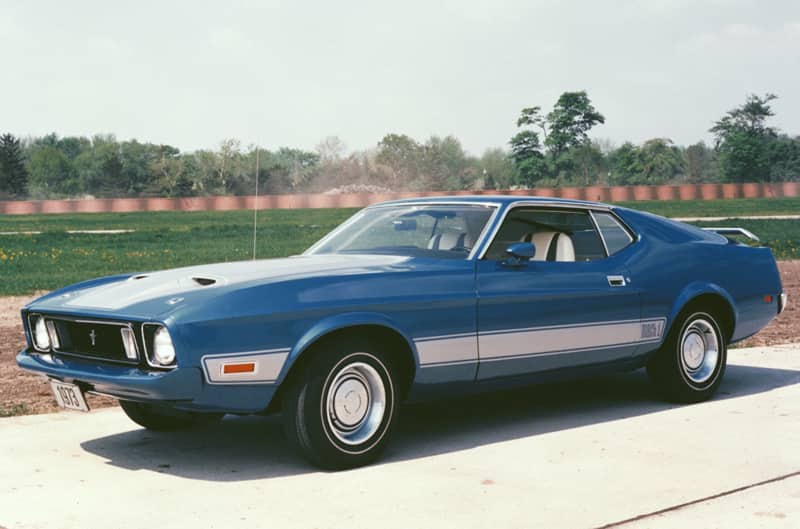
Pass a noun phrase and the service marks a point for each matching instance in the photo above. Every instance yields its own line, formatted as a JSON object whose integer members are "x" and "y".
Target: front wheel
{"x": 163, "y": 418}
{"x": 690, "y": 364}
{"x": 341, "y": 409}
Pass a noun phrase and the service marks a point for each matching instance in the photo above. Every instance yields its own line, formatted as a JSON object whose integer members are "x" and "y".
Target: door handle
{"x": 616, "y": 281}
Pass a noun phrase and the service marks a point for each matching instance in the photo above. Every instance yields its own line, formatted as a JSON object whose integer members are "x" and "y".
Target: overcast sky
{"x": 290, "y": 73}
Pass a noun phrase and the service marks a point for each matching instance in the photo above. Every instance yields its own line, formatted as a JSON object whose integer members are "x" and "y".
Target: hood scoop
{"x": 205, "y": 281}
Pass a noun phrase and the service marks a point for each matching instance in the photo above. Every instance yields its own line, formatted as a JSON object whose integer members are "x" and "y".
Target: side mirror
{"x": 520, "y": 252}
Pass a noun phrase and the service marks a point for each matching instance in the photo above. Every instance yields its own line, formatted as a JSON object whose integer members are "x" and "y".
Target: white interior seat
{"x": 543, "y": 240}
{"x": 565, "y": 249}
{"x": 449, "y": 240}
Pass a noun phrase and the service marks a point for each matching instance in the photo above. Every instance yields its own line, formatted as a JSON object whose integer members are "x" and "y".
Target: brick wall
{"x": 225, "y": 203}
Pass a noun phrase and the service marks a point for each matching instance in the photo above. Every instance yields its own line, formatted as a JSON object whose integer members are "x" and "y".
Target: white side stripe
{"x": 447, "y": 349}
{"x": 513, "y": 343}
{"x": 552, "y": 339}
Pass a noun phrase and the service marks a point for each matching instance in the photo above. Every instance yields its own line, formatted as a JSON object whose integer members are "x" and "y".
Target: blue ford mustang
{"x": 407, "y": 300}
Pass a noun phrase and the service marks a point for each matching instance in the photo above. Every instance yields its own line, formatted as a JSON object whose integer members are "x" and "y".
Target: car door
{"x": 572, "y": 304}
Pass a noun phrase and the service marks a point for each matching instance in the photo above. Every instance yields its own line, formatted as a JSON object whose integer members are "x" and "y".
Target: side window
{"x": 557, "y": 234}
{"x": 615, "y": 236}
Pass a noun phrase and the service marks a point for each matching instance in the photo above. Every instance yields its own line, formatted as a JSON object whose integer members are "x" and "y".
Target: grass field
{"x": 55, "y": 258}
{"x": 719, "y": 208}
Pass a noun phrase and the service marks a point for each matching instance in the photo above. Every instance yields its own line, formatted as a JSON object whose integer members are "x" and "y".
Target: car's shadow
{"x": 247, "y": 448}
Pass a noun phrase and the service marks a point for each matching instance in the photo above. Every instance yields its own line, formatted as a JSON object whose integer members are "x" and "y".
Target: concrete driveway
{"x": 581, "y": 454}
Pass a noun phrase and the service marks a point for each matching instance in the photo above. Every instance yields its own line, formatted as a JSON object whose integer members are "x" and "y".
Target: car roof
{"x": 493, "y": 199}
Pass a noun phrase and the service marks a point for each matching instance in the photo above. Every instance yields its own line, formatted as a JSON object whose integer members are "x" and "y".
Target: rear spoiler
{"x": 734, "y": 231}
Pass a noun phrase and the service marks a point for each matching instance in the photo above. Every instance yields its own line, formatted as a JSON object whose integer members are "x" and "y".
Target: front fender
{"x": 342, "y": 321}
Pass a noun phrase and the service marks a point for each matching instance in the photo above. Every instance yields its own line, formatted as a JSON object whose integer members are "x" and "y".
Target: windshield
{"x": 423, "y": 230}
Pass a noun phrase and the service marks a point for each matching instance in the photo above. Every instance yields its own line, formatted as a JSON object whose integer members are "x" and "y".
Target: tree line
{"x": 550, "y": 149}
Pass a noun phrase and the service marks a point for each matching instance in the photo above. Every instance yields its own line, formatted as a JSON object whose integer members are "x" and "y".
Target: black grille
{"x": 92, "y": 339}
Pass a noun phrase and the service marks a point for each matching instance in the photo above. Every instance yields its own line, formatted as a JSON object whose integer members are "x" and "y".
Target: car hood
{"x": 154, "y": 293}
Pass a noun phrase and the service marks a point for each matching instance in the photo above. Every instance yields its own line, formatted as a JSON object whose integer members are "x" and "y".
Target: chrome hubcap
{"x": 699, "y": 351}
{"x": 356, "y": 402}
{"x": 350, "y": 402}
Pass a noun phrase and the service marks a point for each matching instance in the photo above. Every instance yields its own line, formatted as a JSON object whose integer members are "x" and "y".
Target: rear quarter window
{"x": 615, "y": 236}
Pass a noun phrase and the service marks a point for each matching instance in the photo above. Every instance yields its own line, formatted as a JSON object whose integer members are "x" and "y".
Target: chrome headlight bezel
{"x": 156, "y": 338}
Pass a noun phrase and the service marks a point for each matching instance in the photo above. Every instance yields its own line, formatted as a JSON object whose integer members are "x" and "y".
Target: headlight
{"x": 41, "y": 340}
{"x": 163, "y": 351}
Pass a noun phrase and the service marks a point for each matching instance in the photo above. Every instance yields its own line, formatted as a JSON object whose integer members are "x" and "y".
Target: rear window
{"x": 615, "y": 236}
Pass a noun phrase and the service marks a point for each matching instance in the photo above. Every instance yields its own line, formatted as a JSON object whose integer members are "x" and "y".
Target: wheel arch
{"x": 373, "y": 327}
{"x": 710, "y": 297}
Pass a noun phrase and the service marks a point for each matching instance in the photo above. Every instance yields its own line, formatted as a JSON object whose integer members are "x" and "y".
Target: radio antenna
{"x": 255, "y": 208}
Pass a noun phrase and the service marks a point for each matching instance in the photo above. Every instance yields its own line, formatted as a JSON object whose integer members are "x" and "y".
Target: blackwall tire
{"x": 690, "y": 365}
{"x": 340, "y": 411}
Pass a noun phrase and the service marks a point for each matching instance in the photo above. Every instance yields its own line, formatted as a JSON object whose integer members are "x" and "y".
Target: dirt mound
{"x": 357, "y": 188}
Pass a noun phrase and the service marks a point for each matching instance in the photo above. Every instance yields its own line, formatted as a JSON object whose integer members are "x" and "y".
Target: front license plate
{"x": 69, "y": 396}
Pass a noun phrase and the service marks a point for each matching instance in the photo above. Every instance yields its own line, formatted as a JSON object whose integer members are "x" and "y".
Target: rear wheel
{"x": 164, "y": 418}
{"x": 691, "y": 363}
{"x": 340, "y": 410}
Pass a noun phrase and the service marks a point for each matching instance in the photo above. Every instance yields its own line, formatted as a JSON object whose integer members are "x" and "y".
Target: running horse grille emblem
{"x": 93, "y": 337}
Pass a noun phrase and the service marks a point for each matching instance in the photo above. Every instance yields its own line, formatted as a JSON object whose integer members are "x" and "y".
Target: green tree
{"x": 228, "y": 159}
{"x": 566, "y": 137}
{"x": 699, "y": 161}
{"x": 751, "y": 117}
{"x": 445, "y": 165}
{"x": 497, "y": 169}
{"x": 169, "y": 178}
{"x": 532, "y": 116}
{"x": 526, "y": 151}
{"x": 13, "y": 174}
{"x": 582, "y": 164}
{"x": 286, "y": 170}
{"x": 185, "y": 182}
{"x": 570, "y": 122}
{"x": 654, "y": 162}
{"x": 72, "y": 146}
{"x": 783, "y": 153}
{"x": 99, "y": 168}
{"x": 660, "y": 161}
{"x": 51, "y": 173}
{"x": 402, "y": 155}
{"x": 136, "y": 174}
{"x": 203, "y": 164}
{"x": 624, "y": 165}
{"x": 743, "y": 138}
